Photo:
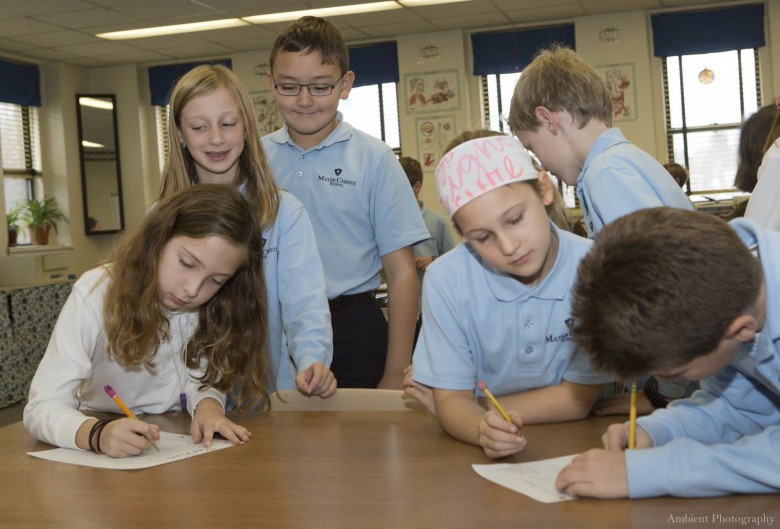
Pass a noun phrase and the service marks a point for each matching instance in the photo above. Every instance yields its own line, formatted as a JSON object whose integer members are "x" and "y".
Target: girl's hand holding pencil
{"x": 499, "y": 431}
{"x": 128, "y": 437}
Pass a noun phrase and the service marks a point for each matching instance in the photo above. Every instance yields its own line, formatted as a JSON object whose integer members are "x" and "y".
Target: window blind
{"x": 711, "y": 31}
{"x": 511, "y": 51}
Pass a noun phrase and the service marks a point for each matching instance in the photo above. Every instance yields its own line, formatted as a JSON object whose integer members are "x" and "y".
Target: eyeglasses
{"x": 315, "y": 89}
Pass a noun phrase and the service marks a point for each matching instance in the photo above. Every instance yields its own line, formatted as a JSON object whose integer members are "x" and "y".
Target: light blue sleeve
{"x": 304, "y": 303}
{"x": 615, "y": 192}
{"x": 396, "y": 215}
{"x": 724, "y": 439}
{"x": 688, "y": 468}
{"x": 443, "y": 357}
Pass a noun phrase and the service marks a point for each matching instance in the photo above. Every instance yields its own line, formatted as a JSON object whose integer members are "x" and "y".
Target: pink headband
{"x": 473, "y": 168}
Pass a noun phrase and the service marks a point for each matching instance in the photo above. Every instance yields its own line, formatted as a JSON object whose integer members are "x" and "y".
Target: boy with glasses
{"x": 363, "y": 211}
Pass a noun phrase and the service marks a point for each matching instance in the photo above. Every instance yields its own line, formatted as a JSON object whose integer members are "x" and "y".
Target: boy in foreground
{"x": 683, "y": 294}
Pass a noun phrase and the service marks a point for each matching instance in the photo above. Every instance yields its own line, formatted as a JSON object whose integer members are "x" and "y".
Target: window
{"x": 21, "y": 153}
{"x": 374, "y": 110}
{"x": 497, "y": 90}
{"x": 707, "y": 97}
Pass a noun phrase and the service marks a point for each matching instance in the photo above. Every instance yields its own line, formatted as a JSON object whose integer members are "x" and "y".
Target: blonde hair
{"x": 232, "y": 333}
{"x": 254, "y": 172}
{"x": 556, "y": 209}
{"x": 558, "y": 79}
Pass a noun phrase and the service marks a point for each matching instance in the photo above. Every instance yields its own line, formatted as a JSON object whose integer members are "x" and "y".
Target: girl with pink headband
{"x": 496, "y": 308}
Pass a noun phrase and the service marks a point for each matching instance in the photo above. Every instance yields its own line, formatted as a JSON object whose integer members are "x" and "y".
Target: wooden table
{"x": 327, "y": 469}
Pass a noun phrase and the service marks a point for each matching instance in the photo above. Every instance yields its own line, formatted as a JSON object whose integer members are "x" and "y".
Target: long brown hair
{"x": 254, "y": 172}
{"x": 232, "y": 333}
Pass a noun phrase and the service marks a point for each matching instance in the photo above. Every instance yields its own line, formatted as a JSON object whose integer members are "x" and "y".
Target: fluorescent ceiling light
{"x": 92, "y": 144}
{"x": 172, "y": 30}
{"x": 418, "y": 3}
{"x": 374, "y": 7}
{"x": 323, "y": 12}
{"x": 96, "y": 103}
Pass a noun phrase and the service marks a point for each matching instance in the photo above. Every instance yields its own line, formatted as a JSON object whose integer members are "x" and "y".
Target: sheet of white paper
{"x": 535, "y": 479}
{"x": 173, "y": 447}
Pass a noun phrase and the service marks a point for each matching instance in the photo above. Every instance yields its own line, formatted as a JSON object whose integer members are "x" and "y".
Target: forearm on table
{"x": 563, "y": 402}
{"x": 459, "y": 414}
{"x": 82, "y": 435}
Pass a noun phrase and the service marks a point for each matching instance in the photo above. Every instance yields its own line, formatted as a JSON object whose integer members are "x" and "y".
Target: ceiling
{"x": 41, "y": 31}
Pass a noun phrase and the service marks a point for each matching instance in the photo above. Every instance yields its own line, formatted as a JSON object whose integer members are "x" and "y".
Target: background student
{"x": 680, "y": 293}
{"x": 358, "y": 198}
{"x": 440, "y": 241}
{"x": 764, "y": 204}
{"x": 561, "y": 110}
{"x": 214, "y": 139}
{"x": 495, "y": 309}
{"x": 678, "y": 172}
{"x": 171, "y": 321}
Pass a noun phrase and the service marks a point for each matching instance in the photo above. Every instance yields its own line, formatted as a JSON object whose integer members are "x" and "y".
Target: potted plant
{"x": 41, "y": 216}
{"x": 12, "y": 222}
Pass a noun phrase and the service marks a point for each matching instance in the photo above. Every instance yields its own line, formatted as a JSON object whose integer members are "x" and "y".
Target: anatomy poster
{"x": 434, "y": 91}
{"x": 433, "y": 135}
{"x": 622, "y": 90}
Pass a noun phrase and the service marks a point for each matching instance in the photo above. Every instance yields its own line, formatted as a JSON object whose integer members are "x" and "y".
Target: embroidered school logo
{"x": 266, "y": 250}
{"x": 337, "y": 180}
{"x": 565, "y": 337}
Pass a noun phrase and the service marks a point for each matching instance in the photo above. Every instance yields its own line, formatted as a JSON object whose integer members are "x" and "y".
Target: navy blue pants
{"x": 359, "y": 343}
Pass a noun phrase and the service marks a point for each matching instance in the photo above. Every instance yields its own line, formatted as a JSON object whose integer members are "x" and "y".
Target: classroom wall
{"x": 137, "y": 144}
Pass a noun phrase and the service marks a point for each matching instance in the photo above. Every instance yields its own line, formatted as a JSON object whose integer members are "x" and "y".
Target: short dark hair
{"x": 412, "y": 168}
{"x": 659, "y": 288}
{"x": 678, "y": 172}
{"x": 310, "y": 34}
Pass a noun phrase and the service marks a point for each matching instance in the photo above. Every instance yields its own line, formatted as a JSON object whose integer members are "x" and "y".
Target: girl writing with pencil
{"x": 213, "y": 138}
{"x": 174, "y": 319}
{"x": 496, "y": 308}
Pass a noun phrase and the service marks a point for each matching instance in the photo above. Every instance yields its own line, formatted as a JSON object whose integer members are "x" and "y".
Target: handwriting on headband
{"x": 476, "y": 167}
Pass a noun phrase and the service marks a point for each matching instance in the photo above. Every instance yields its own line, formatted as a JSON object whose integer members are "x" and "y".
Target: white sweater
{"x": 76, "y": 366}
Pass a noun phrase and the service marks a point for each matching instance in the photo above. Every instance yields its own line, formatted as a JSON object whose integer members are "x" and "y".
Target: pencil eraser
{"x": 481, "y": 385}
{"x": 109, "y": 390}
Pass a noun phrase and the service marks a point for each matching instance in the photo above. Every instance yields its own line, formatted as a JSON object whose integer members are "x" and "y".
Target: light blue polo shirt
{"x": 358, "y": 199}
{"x": 481, "y": 324}
{"x": 440, "y": 241}
{"x": 725, "y": 438}
{"x": 619, "y": 178}
{"x": 298, "y": 315}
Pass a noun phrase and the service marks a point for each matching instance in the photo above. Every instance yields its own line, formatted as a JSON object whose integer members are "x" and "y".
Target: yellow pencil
{"x": 632, "y": 419}
{"x": 111, "y": 393}
{"x": 483, "y": 387}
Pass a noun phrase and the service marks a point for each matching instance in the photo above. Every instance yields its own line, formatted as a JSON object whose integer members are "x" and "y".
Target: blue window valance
{"x": 20, "y": 85}
{"x": 511, "y": 51}
{"x": 374, "y": 64}
{"x": 711, "y": 31}
{"x": 163, "y": 78}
